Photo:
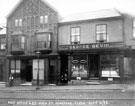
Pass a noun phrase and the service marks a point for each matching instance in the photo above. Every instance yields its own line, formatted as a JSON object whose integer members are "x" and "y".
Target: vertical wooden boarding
{"x": 121, "y": 66}
{"x": 69, "y": 67}
{"x": 46, "y": 64}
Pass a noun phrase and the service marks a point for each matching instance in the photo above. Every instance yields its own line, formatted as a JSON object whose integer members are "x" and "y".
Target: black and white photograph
{"x": 67, "y": 53}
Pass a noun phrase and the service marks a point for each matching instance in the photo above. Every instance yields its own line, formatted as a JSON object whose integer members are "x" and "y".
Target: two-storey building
{"x": 32, "y": 42}
{"x": 97, "y": 45}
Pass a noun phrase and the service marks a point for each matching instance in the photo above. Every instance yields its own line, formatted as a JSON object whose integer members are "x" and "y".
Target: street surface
{"x": 91, "y": 95}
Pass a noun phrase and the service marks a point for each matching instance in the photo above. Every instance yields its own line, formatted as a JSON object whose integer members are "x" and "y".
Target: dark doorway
{"x": 64, "y": 69}
{"x": 1, "y": 72}
{"x": 26, "y": 70}
{"x": 94, "y": 66}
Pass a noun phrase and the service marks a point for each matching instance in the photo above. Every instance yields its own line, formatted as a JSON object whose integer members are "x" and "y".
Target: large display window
{"x": 109, "y": 65}
{"x": 79, "y": 67}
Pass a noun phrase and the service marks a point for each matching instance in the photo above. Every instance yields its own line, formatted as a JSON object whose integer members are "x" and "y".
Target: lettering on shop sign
{"x": 59, "y": 103}
{"x": 89, "y": 46}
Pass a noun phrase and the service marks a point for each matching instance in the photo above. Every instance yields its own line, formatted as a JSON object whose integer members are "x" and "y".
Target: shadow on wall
{"x": 129, "y": 69}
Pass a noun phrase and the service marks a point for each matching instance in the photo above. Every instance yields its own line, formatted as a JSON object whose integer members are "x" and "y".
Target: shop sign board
{"x": 91, "y": 46}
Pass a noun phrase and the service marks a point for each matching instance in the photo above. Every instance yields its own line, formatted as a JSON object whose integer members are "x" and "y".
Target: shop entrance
{"x": 64, "y": 70}
{"x": 94, "y": 66}
{"x": 26, "y": 71}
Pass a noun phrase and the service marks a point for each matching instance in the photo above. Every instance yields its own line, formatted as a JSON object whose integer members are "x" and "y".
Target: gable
{"x": 31, "y": 7}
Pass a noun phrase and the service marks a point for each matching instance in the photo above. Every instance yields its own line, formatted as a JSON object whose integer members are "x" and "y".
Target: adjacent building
{"x": 32, "y": 42}
{"x": 97, "y": 45}
{"x": 3, "y": 71}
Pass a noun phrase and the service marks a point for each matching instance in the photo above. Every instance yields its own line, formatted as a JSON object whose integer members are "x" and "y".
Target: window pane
{"x": 72, "y": 31}
{"x": 49, "y": 37}
{"x": 41, "y": 19}
{"x": 36, "y": 21}
{"x": 103, "y": 28}
{"x": 20, "y": 22}
{"x": 98, "y": 36}
{"x": 77, "y": 31}
{"x": 18, "y": 64}
{"x": 98, "y": 28}
{"x": 12, "y": 64}
{"x": 78, "y": 38}
{"x": 16, "y": 22}
{"x": 104, "y": 36}
{"x": 3, "y": 46}
{"x": 46, "y": 19}
{"x": 32, "y": 21}
{"x": 72, "y": 38}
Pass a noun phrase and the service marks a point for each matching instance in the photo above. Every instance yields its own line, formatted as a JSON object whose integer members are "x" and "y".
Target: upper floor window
{"x": 101, "y": 33}
{"x": 46, "y": 19}
{"x": 17, "y": 42}
{"x": 41, "y": 19}
{"x": 20, "y": 22}
{"x": 75, "y": 35}
{"x": 44, "y": 40}
{"x": 16, "y": 23}
{"x": 2, "y": 43}
{"x": 134, "y": 27}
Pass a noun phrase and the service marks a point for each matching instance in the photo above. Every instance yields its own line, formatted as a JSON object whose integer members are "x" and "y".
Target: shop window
{"x": 109, "y": 65}
{"x": 79, "y": 67}
{"x": 15, "y": 68}
{"x": 75, "y": 35}
{"x": 134, "y": 27}
{"x": 101, "y": 33}
{"x": 2, "y": 43}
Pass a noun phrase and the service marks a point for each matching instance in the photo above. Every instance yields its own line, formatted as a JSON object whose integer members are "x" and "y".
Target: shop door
{"x": 26, "y": 70}
{"x": 51, "y": 73}
{"x": 64, "y": 69}
{"x": 94, "y": 66}
{"x": 1, "y": 72}
{"x": 29, "y": 71}
{"x": 38, "y": 66}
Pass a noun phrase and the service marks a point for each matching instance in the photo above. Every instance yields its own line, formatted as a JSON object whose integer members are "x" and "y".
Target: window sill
{"x": 133, "y": 39}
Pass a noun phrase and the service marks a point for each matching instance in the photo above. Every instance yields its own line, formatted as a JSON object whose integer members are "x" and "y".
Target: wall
{"x": 128, "y": 32}
{"x": 88, "y": 34}
{"x": 129, "y": 67}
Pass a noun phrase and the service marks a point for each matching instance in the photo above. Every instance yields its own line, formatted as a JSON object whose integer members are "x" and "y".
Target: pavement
{"x": 122, "y": 87}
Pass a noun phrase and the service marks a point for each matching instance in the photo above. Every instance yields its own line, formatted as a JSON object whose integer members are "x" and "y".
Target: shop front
{"x": 26, "y": 70}
{"x": 92, "y": 61}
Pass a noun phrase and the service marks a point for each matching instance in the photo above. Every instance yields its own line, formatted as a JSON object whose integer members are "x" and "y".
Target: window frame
{"x": 76, "y": 35}
{"x": 101, "y": 32}
{"x": 16, "y": 23}
{"x": 20, "y": 22}
{"x": 46, "y": 19}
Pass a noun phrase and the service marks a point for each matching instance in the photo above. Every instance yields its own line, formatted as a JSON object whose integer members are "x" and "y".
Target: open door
{"x": 94, "y": 66}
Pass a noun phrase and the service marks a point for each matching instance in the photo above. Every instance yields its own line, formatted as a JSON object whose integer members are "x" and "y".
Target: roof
{"x": 107, "y": 13}
{"x": 20, "y": 1}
